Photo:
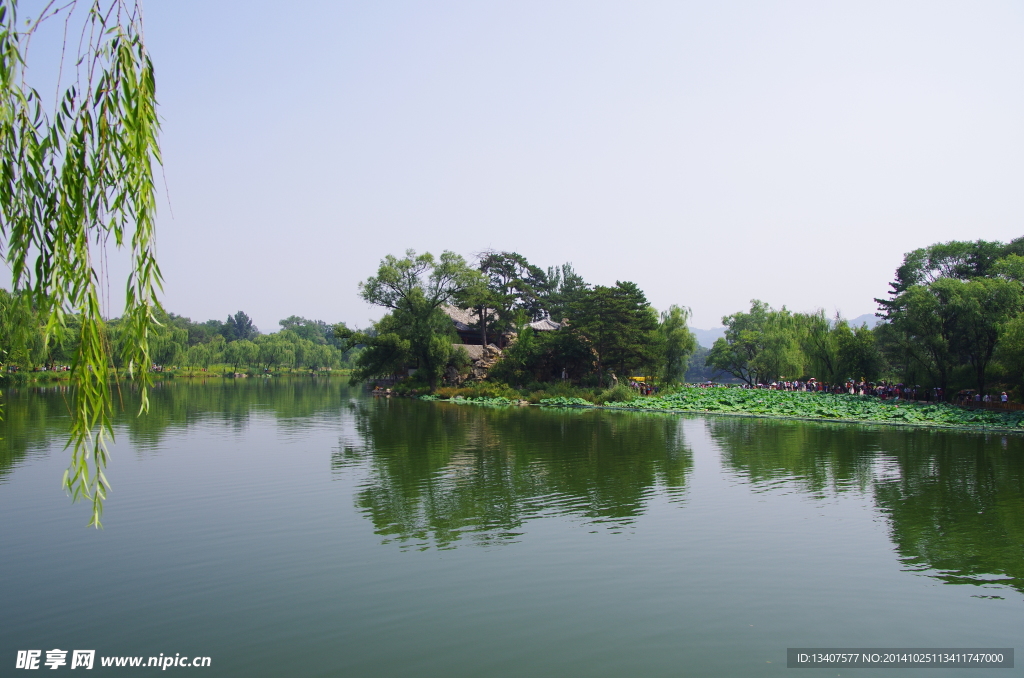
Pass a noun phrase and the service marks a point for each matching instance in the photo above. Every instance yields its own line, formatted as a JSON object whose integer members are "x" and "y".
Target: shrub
{"x": 479, "y": 389}
{"x": 616, "y": 394}
{"x": 563, "y": 401}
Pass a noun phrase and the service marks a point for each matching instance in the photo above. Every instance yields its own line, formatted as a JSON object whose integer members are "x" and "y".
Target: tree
{"x": 316, "y": 331}
{"x": 678, "y": 342}
{"x": 274, "y": 351}
{"x": 240, "y": 326}
{"x": 950, "y": 307}
{"x": 20, "y": 330}
{"x": 951, "y": 321}
{"x": 72, "y": 180}
{"x": 621, "y": 327}
{"x": 819, "y": 338}
{"x": 981, "y": 309}
{"x": 198, "y": 356}
{"x": 1010, "y": 351}
{"x": 858, "y": 352}
{"x": 416, "y": 330}
{"x": 955, "y": 259}
{"x": 834, "y": 351}
{"x": 697, "y": 368}
{"x": 515, "y": 285}
{"x": 241, "y": 352}
{"x": 758, "y": 346}
{"x": 384, "y": 351}
{"x": 924, "y": 327}
{"x": 564, "y": 293}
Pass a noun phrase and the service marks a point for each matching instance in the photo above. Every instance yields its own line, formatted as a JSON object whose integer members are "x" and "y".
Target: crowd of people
{"x": 882, "y": 389}
{"x": 643, "y": 388}
{"x": 968, "y": 396}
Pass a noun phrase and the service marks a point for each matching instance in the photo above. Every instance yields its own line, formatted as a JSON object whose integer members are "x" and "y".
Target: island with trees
{"x": 948, "y": 350}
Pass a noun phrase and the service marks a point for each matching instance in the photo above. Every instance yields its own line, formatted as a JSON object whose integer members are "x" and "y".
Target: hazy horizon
{"x": 785, "y": 151}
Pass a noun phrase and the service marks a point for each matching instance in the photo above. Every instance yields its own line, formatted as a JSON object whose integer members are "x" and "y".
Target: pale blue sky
{"x": 710, "y": 152}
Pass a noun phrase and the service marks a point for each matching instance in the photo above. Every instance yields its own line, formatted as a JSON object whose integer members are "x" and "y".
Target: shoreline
{"x": 945, "y": 426}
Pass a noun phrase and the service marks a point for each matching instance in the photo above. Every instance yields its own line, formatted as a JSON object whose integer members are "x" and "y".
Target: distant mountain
{"x": 870, "y": 318}
{"x": 706, "y": 338}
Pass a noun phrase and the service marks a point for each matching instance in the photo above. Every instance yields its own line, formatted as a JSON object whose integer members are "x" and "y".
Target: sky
{"x": 712, "y": 153}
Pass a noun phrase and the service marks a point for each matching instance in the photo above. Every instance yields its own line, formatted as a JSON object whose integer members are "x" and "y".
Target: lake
{"x": 298, "y": 527}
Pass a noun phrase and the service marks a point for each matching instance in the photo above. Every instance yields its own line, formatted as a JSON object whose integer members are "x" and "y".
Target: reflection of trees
{"x": 33, "y": 417}
{"x": 958, "y": 508}
{"x": 814, "y": 457}
{"x": 439, "y": 470}
{"x": 179, "y": 403}
{"x": 954, "y": 500}
{"x": 29, "y": 422}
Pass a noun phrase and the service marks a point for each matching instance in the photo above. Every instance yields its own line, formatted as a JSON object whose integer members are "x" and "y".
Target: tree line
{"x": 176, "y": 340}
{"x": 953, "y": 319}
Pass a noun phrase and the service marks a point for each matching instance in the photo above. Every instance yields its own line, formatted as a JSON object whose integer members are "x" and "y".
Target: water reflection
{"x": 435, "y": 475}
{"x": 177, "y": 404}
{"x": 957, "y": 508}
{"x": 440, "y": 473}
{"x": 29, "y": 423}
{"x": 36, "y": 418}
{"x": 954, "y": 501}
{"x": 814, "y": 458}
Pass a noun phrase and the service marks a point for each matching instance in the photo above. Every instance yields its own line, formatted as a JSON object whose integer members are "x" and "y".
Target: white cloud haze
{"x": 710, "y": 152}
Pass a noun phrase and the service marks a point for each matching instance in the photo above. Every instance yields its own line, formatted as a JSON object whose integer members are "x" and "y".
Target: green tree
{"x": 833, "y": 350}
{"x": 858, "y": 352}
{"x": 759, "y": 346}
{"x": 697, "y": 369}
{"x": 678, "y": 342}
{"x": 621, "y": 327}
{"x": 957, "y": 259}
{"x": 316, "y": 331}
{"x": 819, "y": 340}
{"x": 240, "y": 326}
{"x": 981, "y": 309}
{"x": 21, "y": 332}
{"x": 520, "y": 361}
{"x": 952, "y": 321}
{"x": 321, "y": 356}
{"x": 564, "y": 293}
{"x": 73, "y": 179}
{"x": 416, "y": 330}
{"x": 515, "y": 285}
{"x": 385, "y": 349}
{"x": 924, "y": 326}
{"x": 950, "y": 306}
{"x": 274, "y": 351}
{"x": 241, "y": 352}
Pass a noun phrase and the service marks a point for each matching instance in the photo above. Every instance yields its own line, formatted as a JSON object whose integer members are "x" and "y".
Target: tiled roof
{"x": 545, "y": 325}
{"x": 466, "y": 318}
{"x": 461, "y": 316}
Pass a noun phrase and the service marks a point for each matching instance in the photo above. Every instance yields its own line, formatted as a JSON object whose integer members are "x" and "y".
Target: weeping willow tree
{"x": 77, "y": 176}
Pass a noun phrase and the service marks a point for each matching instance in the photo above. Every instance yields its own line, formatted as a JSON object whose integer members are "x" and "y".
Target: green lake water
{"x": 298, "y": 527}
